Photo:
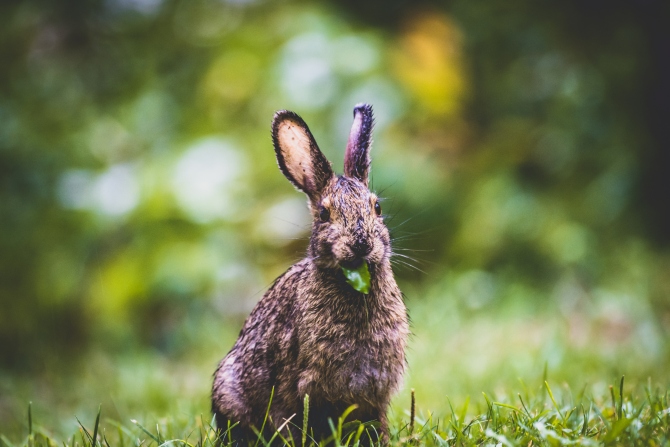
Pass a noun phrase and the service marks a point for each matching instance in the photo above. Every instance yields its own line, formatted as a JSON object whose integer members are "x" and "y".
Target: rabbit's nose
{"x": 361, "y": 247}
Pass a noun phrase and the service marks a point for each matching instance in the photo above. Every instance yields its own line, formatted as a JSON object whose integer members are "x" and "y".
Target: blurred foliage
{"x": 522, "y": 149}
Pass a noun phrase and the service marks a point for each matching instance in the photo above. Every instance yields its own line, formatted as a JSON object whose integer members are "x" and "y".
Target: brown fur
{"x": 312, "y": 333}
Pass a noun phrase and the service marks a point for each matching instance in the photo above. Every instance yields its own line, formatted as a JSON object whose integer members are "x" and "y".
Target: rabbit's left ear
{"x": 357, "y": 157}
{"x": 298, "y": 155}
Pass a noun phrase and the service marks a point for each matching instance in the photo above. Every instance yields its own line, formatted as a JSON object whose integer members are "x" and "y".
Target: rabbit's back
{"x": 264, "y": 355}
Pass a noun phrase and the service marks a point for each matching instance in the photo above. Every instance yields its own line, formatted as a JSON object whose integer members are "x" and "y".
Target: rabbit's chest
{"x": 352, "y": 351}
{"x": 359, "y": 367}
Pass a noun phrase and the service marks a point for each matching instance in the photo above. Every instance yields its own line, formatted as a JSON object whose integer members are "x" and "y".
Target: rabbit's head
{"x": 348, "y": 227}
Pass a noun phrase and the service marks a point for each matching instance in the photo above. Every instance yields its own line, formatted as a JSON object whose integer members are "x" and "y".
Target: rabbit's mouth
{"x": 352, "y": 264}
{"x": 357, "y": 275}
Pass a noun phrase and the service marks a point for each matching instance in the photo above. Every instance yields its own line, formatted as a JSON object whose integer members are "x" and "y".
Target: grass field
{"x": 535, "y": 416}
{"x": 495, "y": 374}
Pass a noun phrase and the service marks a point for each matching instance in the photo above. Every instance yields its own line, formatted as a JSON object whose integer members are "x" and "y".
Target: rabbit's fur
{"x": 313, "y": 333}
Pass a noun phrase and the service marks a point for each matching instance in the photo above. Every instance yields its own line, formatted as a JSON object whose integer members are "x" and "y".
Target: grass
{"x": 550, "y": 375}
{"x": 541, "y": 415}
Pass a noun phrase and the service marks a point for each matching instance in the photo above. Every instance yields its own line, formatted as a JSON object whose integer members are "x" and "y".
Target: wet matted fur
{"x": 313, "y": 333}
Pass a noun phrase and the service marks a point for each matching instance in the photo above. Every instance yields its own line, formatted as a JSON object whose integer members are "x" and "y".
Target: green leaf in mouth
{"x": 358, "y": 278}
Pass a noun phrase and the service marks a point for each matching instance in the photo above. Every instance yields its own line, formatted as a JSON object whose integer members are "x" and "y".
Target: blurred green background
{"x": 521, "y": 147}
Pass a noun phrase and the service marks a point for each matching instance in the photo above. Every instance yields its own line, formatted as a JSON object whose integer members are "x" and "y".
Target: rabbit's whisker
{"x": 414, "y": 258}
{"x": 304, "y": 226}
{"x": 407, "y": 264}
{"x": 412, "y": 249}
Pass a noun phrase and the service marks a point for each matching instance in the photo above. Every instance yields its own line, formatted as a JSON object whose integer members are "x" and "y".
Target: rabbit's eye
{"x": 324, "y": 214}
{"x": 378, "y": 209}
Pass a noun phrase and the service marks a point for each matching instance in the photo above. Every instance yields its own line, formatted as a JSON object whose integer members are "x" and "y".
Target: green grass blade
{"x": 359, "y": 433}
{"x": 620, "y": 412}
{"x": 333, "y": 431}
{"x": 88, "y": 435}
{"x": 305, "y": 419}
{"x": 511, "y": 407}
{"x": 121, "y": 430}
{"x": 158, "y": 434}
{"x": 6, "y": 441}
{"x": 524, "y": 406}
{"x": 489, "y": 414}
{"x": 464, "y": 410}
{"x": 412, "y": 413}
{"x": 278, "y": 431}
{"x": 141, "y": 427}
{"x": 551, "y": 396}
{"x": 613, "y": 400}
{"x": 95, "y": 428}
{"x": 585, "y": 426}
{"x": 30, "y": 418}
{"x": 267, "y": 415}
{"x": 617, "y": 429}
{"x": 229, "y": 433}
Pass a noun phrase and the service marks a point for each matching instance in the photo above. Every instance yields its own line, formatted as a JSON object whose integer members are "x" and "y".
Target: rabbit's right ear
{"x": 298, "y": 155}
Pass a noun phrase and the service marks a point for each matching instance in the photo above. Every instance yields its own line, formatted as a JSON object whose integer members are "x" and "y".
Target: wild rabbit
{"x": 313, "y": 332}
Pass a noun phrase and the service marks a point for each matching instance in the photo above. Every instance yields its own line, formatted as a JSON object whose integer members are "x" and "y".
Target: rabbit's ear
{"x": 298, "y": 155}
{"x": 357, "y": 157}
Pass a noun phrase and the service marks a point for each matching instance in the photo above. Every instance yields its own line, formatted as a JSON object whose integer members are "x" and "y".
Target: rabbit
{"x": 313, "y": 333}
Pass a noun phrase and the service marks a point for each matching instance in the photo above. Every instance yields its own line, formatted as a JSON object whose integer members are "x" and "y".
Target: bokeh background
{"x": 521, "y": 148}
